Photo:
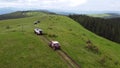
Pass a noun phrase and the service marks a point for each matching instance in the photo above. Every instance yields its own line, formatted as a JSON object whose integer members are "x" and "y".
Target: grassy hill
{"x": 21, "y": 48}
{"x": 23, "y": 14}
{"x": 99, "y": 15}
{"x": 105, "y": 15}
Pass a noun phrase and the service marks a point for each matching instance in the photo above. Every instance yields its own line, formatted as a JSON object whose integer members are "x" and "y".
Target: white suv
{"x": 38, "y": 31}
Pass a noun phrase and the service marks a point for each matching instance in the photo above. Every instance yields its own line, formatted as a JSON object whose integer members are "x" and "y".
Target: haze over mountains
{"x": 65, "y": 12}
{"x": 6, "y": 10}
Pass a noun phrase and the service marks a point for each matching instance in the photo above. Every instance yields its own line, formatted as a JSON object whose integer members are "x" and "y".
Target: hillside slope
{"x": 20, "y": 46}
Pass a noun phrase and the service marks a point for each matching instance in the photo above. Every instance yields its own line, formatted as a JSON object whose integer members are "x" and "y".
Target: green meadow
{"x": 21, "y": 48}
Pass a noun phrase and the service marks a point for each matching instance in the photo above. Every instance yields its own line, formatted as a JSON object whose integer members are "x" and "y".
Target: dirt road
{"x": 70, "y": 62}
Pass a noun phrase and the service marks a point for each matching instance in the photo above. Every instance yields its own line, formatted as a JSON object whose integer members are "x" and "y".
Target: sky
{"x": 64, "y": 5}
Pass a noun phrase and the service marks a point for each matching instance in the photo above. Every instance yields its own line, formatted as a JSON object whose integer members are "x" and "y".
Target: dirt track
{"x": 68, "y": 59}
{"x": 70, "y": 62}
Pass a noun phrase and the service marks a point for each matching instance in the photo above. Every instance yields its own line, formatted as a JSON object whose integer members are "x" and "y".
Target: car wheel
{"x": 54, "y": 48}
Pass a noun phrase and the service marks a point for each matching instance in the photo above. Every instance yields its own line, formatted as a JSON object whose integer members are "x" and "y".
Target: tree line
{"x": 108, "y": 28}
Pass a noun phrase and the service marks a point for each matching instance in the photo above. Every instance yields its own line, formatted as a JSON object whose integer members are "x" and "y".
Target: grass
{"x": 23, "y": 49}
{"x": 74, "y": 42}
{"x": 99, "y": 15}
{"x": 27, "y": 50}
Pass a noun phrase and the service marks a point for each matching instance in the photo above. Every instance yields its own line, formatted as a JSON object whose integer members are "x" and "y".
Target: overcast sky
{"x": 65, "y": 5}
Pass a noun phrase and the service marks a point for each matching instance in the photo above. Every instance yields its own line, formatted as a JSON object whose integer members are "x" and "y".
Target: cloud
{"x": 64, "y": 5}
{"x": 101, "y": 5}
{"x": 55, "y": 4}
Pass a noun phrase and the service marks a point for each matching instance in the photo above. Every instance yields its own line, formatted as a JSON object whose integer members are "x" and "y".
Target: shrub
{"x": 53, "y": 35}
{"x": 116, "y": 62}
{"x": 8, "y": 27}
{"x": 92, "y": 47}
{"x": 18, "y": 25}
{"x": 84, "y": 34}
{"x": 45, "y": 34}
{"x": 70, "y": 29}
{"x": 50, "y": 28}
{"x": 13, "y": 31}
{"x": 102, "y": 60}
{"x": 89, "y": 42}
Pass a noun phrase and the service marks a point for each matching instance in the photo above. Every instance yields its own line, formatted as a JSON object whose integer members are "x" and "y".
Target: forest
{"x": 107, "y": 28}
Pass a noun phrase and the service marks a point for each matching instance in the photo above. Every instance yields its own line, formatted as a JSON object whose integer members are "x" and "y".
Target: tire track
{"x": 70, "y": 62}
{"x": 68, "y": 59}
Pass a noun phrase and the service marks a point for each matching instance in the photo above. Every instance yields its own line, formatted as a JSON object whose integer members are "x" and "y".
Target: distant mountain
{"x": 62, "y": 12}
{"x": 14, "y": 15}
{"x": 82, "y": 12}
{"x": 6, "y": 10}
{"x": 22, "y": 14}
